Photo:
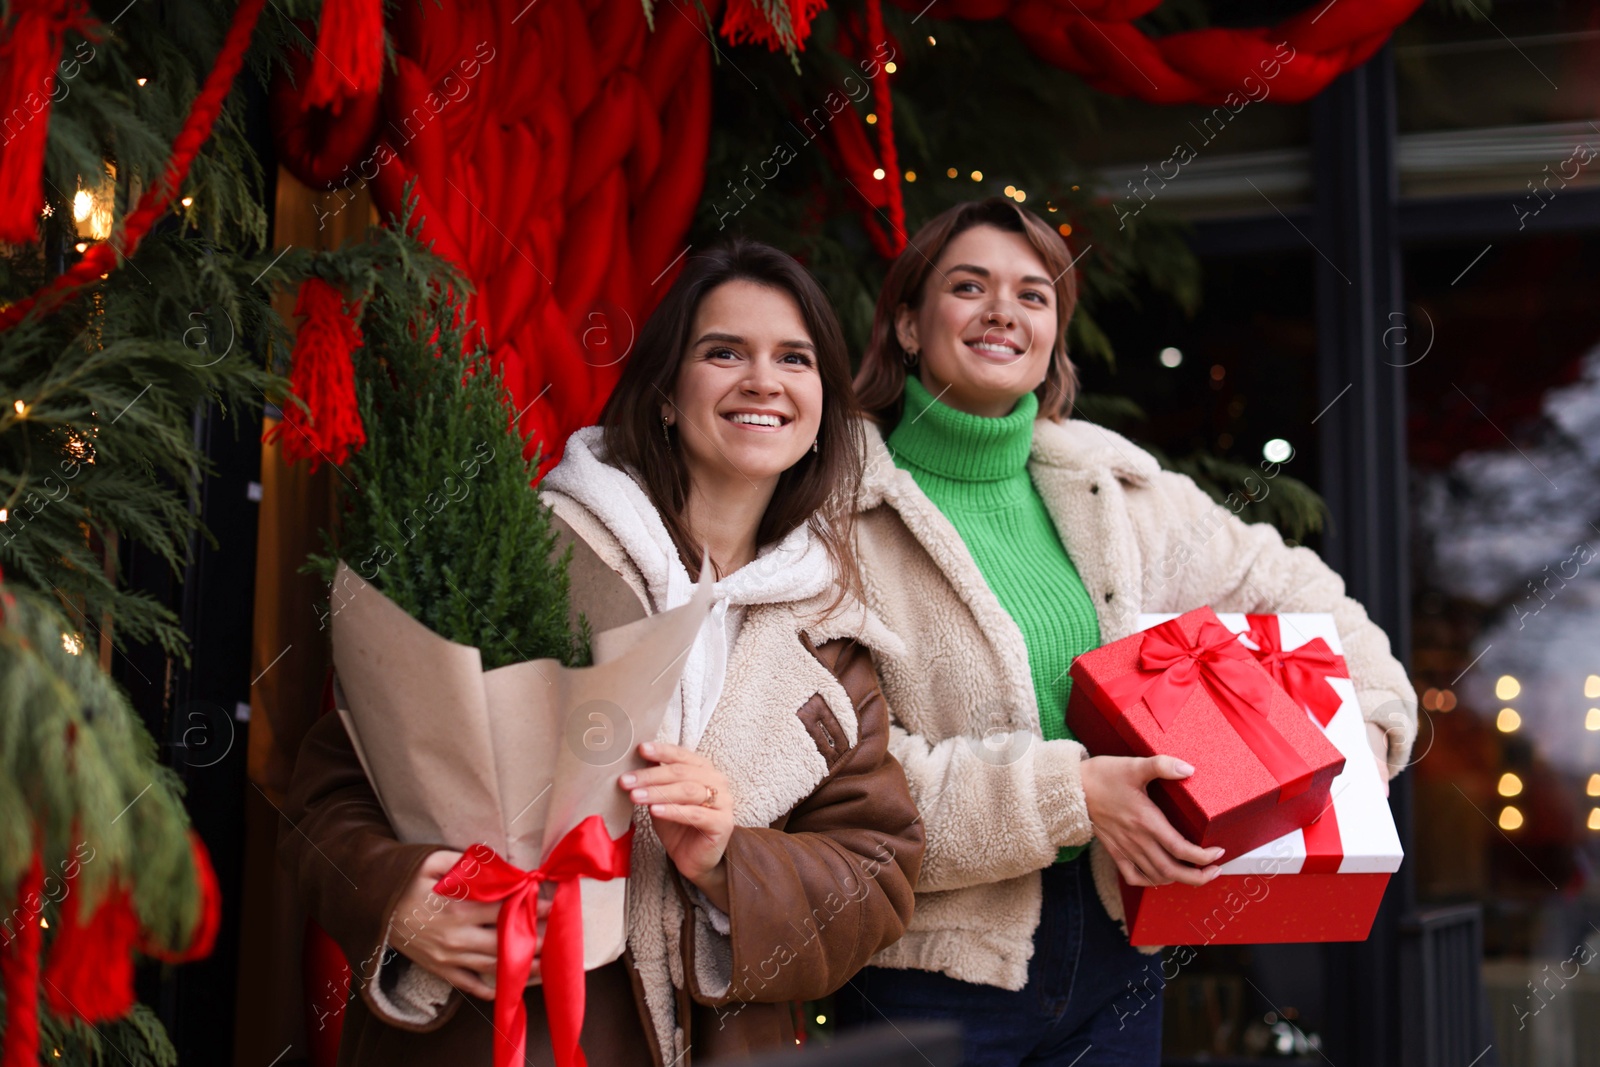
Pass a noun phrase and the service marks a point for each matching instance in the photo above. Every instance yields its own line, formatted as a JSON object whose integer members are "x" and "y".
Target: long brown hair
{"x": 820, "y": 489}
{"x": 881, "y": 381}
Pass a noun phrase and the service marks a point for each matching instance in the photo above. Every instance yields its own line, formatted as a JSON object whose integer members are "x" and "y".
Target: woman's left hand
{"x": 692, "y": 809}
{"x": 1379, "y": 740}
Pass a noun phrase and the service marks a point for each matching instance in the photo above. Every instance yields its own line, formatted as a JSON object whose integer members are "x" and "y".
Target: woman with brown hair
{"x": 999, "y": 539}
{"x": 775, "y": 841}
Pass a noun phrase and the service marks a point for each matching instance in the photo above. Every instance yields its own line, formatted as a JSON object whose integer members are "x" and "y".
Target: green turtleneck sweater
{"x": 975, "y": 470}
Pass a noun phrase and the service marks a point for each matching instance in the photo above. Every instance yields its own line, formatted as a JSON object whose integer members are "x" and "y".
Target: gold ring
{"x": 711, "y": 796}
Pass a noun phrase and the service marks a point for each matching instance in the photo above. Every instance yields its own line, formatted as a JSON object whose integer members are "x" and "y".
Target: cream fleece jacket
{"x": 997, "y": 801}
{"x": 754, "y": 737}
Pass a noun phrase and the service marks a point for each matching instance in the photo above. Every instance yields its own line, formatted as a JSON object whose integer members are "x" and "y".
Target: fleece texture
{"x": 997, "y": 799}
{"x": 975, "y": 470}
{"x": 754, "y": 737}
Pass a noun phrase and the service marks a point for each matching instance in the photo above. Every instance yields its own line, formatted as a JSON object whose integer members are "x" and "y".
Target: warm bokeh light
{"x": 951, "y": 173}
{"x": 1507, "y": 688}
{"x": 1510, "y": 818}
{"x": 1510, "y": 785}
{"x": 872, "y": 118}
{"x": 1508, "y": 720}
{"x": 877, "y": 173}
{"x": 1065, "y": 229}
{"x": 1011, "y": 190}
{"x": 1594, "y": 818}
{"x": 1591, "y": 721}
{"x": 977, "y": 175}
{"x": 911, "y": 175}
{"x": 1591, "y": 686}
{"x": 1594, "y": 785}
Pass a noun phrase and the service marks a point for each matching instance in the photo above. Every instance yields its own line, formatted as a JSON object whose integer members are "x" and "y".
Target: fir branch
{"x": 437, "y": 508}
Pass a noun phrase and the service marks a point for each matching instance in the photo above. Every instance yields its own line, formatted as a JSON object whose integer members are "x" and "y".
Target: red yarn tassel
{"x": 19, "y": 971}
{"x": 744, "y": 21}
{"x": 324, "y": 378}
{"x": 30, "y": 55}
{"x": 204, "y": 936}
{"x": 349, "y": 54}
{"x": 89, "y": 974}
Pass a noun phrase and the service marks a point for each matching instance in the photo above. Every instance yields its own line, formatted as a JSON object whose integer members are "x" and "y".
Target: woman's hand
{"x": 1146, "y": 847}
{"x": 1378, "y": 738}
{"x": 692, "y": 809}
{"x": 453, "y": 938}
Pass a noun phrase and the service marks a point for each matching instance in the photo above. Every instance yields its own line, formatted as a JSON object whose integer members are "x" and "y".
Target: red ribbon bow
{"x": 587, "y": 851}
{"x": 1303, "y": 672}
{"x": 1171, "y": 665}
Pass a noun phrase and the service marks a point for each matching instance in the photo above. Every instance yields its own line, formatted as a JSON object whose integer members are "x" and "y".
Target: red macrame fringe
{"x": 19, "y": 973}
{"x": 745, "y": 22}
{"x": 30, "y": 54}
{"x": 324, "y": 377}
{"x": 89, "y": 974}
{"x": 103, "y": 257}
{"x": 349, "y": 54}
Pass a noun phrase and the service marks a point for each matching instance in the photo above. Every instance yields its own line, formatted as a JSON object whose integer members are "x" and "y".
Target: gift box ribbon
{"x": 1303, "y": 672}
{"x": 1171, "y": 666}
{"x": 587, "y": 851}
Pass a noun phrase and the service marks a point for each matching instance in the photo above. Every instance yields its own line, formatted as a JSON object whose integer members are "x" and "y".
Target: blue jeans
{"x": 1091, "y": 998}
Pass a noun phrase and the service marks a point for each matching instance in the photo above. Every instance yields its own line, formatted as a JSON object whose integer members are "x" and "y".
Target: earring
{"x": 664, "y": 434}
{"x": 909, "y": 358}
{"x": 815, "y": 443}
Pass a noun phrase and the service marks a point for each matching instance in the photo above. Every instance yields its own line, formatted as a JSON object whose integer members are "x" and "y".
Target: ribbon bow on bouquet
{"x": 587, "y": 851}
{"x": 1171, "y": 665}
{"x": 1303, "y": 672}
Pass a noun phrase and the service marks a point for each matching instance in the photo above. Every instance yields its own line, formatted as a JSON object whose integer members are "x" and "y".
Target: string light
{"x": 1510, "y": 818}
{"x": 1021, "y": 196}
{"x": 821, "y": 1019}
{"x": 951, "y": 173}
{"x": 1507, "y": 688}
{"x": 19, "y": 407}
{"x": 911, "y": 175}
{"x": 1594, "y": 818}
{"x": 1510, "y": 785}
{"x": 1065, "y": 229}
{"x": 889, "y": 67}
{"x": 1508, "y": 721}
{"x": 4, "y": 515}
{"x": 1591, "y": 686}
{"x": 977, "y": 175}
{"x": 1011, "y": 190}
{"x": 187, "y": 201}
{"x": 1594, "y": 785}
{"x": 931, "y": 40}
{"x": 72, "y": 643}
{"x": 141, "y": 81}
{"x": 877, "y": 172}
{"x": 872, "y": 118}
{"x": 1591, "y": 721}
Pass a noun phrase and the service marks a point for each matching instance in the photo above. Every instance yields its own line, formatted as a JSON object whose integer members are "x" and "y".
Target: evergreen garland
{"x": 1018, "y": 127}
{"x": 437, "y": 509}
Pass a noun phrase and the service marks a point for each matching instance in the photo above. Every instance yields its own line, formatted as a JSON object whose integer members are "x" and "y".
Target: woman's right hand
{"x": 1147, "y": 849}
{"x": 455, "y": 939}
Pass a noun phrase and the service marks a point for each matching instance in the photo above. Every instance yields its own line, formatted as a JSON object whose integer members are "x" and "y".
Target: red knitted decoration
{"x": 349, "y": 53}
{"x": 19, "y": 973}
{"x": 89, "y": 974}
{"x": 29, "y": 56}
{"x": 103, "y": 257}
{"x": 744, "y": 21}
{"x": 324, "y": 378}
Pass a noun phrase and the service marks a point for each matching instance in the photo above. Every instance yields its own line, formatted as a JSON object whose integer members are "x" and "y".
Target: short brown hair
{"x": 881, "y": 381}
{"x": 820, "y": 489}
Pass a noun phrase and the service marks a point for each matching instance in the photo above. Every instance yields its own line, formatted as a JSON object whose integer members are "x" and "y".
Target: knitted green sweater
{"x": 975, "y": 470}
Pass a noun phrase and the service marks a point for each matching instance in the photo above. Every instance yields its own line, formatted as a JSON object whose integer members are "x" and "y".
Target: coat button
{"x": 1109, "y": 596}
{"x": 1094, "y": 488}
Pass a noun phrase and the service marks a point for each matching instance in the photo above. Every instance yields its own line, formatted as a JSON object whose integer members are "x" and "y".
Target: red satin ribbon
{"x": 1303, "y": 672}
{"x": 587, "y": 851}
{"x": 1324, "y": 843}
{"x": 1171, "y": 665}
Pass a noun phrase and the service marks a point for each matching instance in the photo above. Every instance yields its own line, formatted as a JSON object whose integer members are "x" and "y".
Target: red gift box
{"x": 1322, "y": 882}
{"x": 1187, "y": 688}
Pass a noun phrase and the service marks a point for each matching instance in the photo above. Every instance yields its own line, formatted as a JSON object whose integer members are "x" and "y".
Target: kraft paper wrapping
{"x": 513, "y": 757}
